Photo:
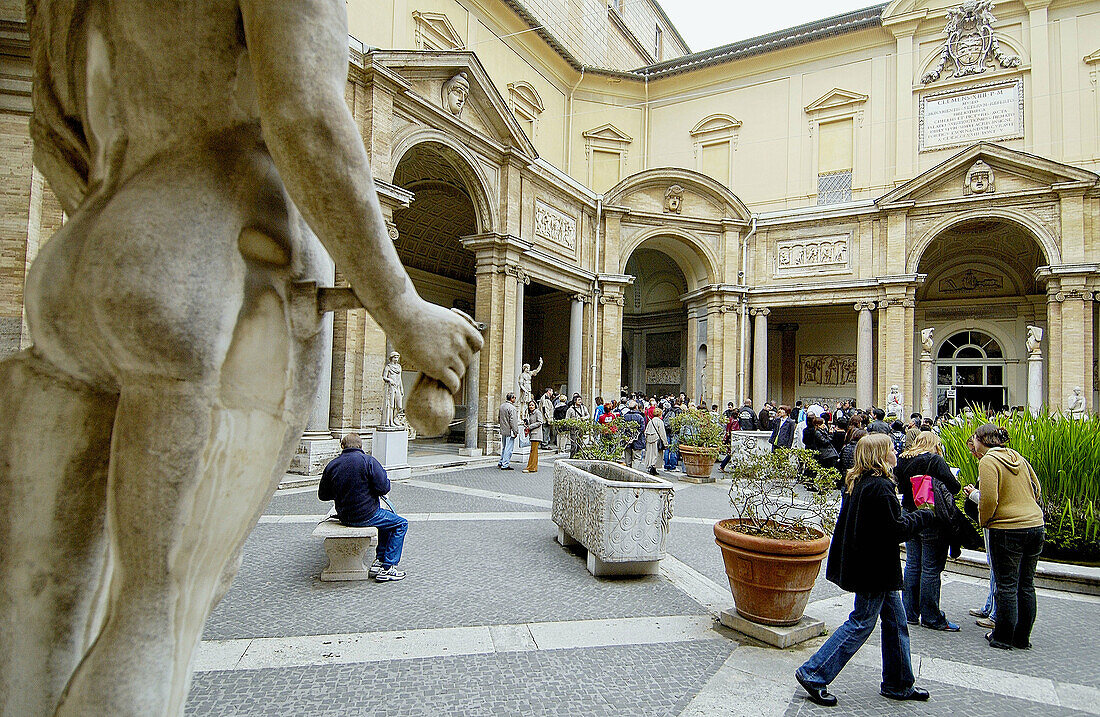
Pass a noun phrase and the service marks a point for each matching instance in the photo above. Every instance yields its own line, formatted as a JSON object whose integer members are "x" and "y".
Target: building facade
{"x": 899, "y": 196}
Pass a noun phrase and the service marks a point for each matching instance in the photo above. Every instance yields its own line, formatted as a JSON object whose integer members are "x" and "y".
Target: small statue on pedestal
{"x": 393, "y": 393}
{"x": 1034, "y": 340}
{"x": 525, "y": 376}
{"x": 893, "y": 402}
{"x": 1075, "y": 404}
{"x": 926, "y": 341}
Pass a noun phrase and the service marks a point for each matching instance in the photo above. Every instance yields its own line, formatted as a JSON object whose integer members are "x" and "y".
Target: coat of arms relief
{"x": 971, "y": 47}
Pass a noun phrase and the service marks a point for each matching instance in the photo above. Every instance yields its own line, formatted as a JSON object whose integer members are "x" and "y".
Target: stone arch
{"x": 1035, "y": 229}
{"x": 696, "y": 260}
{"x": 464, "y": 164}
{"x": 696, "y": 181}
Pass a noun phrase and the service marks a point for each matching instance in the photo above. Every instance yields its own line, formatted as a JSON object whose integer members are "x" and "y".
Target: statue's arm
{"x": 299, "y": 59}
{"x": 536, "y": 371}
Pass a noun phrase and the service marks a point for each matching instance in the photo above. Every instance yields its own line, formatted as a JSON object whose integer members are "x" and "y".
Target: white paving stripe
{"x": 429, "y": 517}
{"x": 277, "y": 652}
{"x": 477, "y": 492}
{"x": 698, "y": 587}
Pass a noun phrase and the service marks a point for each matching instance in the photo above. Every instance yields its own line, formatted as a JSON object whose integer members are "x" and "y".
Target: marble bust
{"x": 926, "y": 341}
{"x": 1075, "y": 404}
{"x": 393, "y": 393}
{"x": 674, "y": 199}
{"x": 1034, "y": 340}
{"x": 176, "y": 325}
{"x": 455, "y": 93}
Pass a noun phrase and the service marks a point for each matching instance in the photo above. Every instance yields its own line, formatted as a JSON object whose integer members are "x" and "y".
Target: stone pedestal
{"x": 782, "y": 637}
{"x": 1035, "y": 383}
{"x": 927, "y": 386}
{"x": 314, "y": 452}
{"x": 391, "y": 447}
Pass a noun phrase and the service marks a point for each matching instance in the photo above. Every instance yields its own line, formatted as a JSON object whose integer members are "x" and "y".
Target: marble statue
{"x": 1075, "y": 404}
{"x": 526, "y": 374}
{"x": 926, "y": 341}
{"x": 393, "y": 393}
{"x": 893, "y": 402}
{"x": 455, "y": 93}
{"x": 199, "y": 150}
{"x": 1034, "y": 341}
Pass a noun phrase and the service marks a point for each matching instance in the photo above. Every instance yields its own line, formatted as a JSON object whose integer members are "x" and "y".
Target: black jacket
{"x": 783, "y": 433}
{"x": 638, "y": 444}
{"x": 746, "y": 419}
{"x": 354, "y": 480}
{"x": 764, "y": 420}
{"x": 923, "y": 464}
{"x": 864, "y": 556}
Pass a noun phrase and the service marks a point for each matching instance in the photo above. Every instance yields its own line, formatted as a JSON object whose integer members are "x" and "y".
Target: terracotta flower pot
{"x": 770, "y": 579}
{"x": 698, "y": 461}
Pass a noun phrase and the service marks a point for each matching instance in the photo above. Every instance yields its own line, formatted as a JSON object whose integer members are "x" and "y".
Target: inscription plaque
{"x": 958, "y": 117}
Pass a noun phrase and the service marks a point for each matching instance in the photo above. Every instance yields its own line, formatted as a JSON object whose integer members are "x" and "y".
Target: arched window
{"x": 970, "y": 370}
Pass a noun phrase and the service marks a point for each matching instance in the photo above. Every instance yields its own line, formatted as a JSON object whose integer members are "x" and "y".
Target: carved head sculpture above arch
{"x": 726, "y": 204}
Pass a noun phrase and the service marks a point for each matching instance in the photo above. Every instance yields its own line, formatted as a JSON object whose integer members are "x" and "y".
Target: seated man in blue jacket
{"x": 356, "y": 481}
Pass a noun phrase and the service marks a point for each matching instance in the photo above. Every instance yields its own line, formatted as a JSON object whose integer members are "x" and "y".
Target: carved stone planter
{"x": 620, "y": 515}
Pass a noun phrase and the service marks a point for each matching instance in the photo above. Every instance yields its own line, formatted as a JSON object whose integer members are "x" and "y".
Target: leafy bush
{"x": 701, "y": 429}
{"x": 765, "y": 498}
{"x": 599, "y": 441}
{"x": 1065, "y": 453}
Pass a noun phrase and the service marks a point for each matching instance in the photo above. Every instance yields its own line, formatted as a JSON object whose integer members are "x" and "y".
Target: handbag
{"x": 922, "y": 490}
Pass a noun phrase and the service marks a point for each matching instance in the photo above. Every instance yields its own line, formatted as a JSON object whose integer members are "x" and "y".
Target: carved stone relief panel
{"x": 665, "y": 376}
{"x": 826, "y": 370}
{"x": 554, "y": 225}
{"x": 813, "y": 255}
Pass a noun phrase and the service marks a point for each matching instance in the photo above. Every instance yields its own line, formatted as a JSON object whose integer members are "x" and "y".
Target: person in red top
{"x": 608, "y": 414}
{"x": 650, "y": 408}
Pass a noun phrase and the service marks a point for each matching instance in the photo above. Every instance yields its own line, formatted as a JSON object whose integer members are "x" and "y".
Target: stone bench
{"x": 346, "y": 548}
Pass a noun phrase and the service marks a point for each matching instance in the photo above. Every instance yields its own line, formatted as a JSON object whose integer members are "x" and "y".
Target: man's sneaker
{"x": 985, "y": 622}
{"x": 375, "y": 568}
{"x": 389, "y": 575}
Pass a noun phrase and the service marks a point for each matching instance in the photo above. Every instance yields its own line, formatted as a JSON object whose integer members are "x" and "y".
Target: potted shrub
{"x": 699, "y": 438}
{"x": 774, "y": 545}
{"x": 593, "y": 441}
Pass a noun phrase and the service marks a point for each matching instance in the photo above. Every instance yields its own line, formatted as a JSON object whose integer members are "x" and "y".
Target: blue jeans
{"x": 391, "y": 535}
{"x": 990, "y": 608}
{"x": 925, "y": 558}
{"x": 842, "y": 645}
{"x": 509, "y": 443}
{"x": 1014, "y": 554}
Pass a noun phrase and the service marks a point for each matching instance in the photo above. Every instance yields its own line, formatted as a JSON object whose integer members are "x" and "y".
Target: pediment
{"x": 608, "y": 133}
{"x": 697, "y": 195}
{"x": 429, "y": 75}
{"x": 1007, "y": 171}
{"x": 1092, "y": 59}
{"x": 435, "y": 32}
{"x": 714, "y": 124}
{"x": 835, "y": 98}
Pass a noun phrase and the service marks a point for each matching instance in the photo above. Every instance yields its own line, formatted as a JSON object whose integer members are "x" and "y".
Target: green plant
{"x": 697, "y": 428}
{"x": 1065, "y": 453}
{"x": 598, "y": 441}
{"x": 765, "y": 494}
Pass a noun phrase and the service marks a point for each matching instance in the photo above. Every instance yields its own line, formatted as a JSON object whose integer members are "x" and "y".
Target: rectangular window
{"x": 658, "y": 44}
{"x": 835, "y": 161}
{"x": 605, "y": 170}
{"x": 716, "y": 161}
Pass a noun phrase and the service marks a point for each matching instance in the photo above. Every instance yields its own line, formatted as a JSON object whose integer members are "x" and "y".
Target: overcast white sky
{"x": 710, "y": 23}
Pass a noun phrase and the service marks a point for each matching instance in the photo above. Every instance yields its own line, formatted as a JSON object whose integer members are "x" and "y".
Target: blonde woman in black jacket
{"x": 864, "y": 559}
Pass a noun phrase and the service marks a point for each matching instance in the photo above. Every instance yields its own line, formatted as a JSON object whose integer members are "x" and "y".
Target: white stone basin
{"x": 620, "y": 515}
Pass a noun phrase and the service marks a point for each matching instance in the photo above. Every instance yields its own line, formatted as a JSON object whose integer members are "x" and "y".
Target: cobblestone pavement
{"x": 495, "y": 618}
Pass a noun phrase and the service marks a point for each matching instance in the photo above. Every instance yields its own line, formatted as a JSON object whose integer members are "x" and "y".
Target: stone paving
{"x": 496, "y": 618}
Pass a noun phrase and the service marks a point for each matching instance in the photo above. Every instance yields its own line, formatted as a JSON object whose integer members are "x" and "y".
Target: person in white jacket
{"x": 655, "y": 434}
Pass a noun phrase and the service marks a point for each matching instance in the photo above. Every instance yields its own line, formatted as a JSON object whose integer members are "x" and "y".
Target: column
{"x": 576, "y": 328}
{"x": 865, "y": 346}
{"x": 896, "y": 335}
{"x": 611, "y": 343}
{"x": 927, "y": 380}
{"x": 759, "y": 357}
{"x": 473, "y": 405}
{"x": 317, "y": 446}
{"x": 521, "y": 280}
{"x": 1073, "y": 334}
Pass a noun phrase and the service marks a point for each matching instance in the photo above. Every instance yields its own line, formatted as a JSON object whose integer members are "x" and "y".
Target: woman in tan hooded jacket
{"x": 1008, "y": 504}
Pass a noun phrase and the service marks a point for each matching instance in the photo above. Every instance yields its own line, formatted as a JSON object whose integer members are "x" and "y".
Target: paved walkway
{"x": 496, "y": 618}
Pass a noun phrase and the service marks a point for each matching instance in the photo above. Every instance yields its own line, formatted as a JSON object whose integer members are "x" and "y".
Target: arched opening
{"x": 980, "y": 295}
{"x": 655, "y": 324}
{"x": 428, "y": 232}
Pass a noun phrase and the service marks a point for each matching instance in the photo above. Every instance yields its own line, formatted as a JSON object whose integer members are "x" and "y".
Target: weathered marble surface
{"x": 176, "y": 328}
{"x": 618, "y": 514}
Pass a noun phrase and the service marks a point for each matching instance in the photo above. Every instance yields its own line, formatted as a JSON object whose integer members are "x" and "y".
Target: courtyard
{"x": 496, "y": 618}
